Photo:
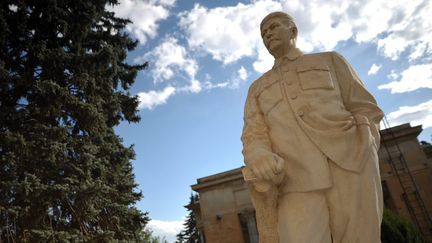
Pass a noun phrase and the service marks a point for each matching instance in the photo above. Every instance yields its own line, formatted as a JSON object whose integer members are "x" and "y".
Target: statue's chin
{"x": 272, "y": 52}
{"x": 276, "y": 51}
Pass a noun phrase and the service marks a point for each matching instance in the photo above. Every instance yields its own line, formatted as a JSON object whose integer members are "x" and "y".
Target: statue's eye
{"x": 271, "y": 27}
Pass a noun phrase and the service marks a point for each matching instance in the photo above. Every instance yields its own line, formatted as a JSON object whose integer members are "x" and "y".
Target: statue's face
{"x": 277, "y": 36}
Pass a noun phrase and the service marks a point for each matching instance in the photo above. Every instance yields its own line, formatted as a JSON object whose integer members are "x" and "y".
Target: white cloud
{"x": 231, "y": 33}
{"x": 394, "y": 25}
{"x": 171, "y": 59}
{"x": 13, "y": 8}
{"x": 238, "y": 79}
{"x": 227, "y": 33}
{"x": 174, "y": 66}
{"x": 414, "y": 77}
{"x": 242, "y": 73}
{"x": 166, "y": 2}
{"x": 410, "y": 29}
{"x": 234, "y": 82}
{"x": 144, "y": 15}
{"x": 194, "y": 86}
{"x": 374, "y": 69}
{"x": 167, "y": 229}
{"x": 392, "y": 46}
{"x": 420, "y": 114}
{"x": 264, "y": 61}
{"x": 171, "y": 64}
{"x": 393, "y": 75}
{"x": 321, "y": 24}
{"x": 151, "y": 99}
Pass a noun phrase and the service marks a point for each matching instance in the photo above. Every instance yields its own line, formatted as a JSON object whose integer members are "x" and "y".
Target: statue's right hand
{"x": 269, "y": 168}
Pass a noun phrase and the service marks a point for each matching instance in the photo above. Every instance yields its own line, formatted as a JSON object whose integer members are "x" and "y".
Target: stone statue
{"x": 310, "y": 141}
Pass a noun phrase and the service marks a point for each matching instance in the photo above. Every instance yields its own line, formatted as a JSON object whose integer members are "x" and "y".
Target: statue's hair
{"x": 286, "y": 19}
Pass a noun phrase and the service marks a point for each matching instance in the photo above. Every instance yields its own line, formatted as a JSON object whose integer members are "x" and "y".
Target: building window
{"x": 248, "y": 225}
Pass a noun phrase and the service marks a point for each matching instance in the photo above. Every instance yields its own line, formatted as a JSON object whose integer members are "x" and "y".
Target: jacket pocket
{"x": 315, "y": 77}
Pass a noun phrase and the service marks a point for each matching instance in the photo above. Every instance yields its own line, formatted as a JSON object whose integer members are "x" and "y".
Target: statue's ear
{"x": 294, "y": 32}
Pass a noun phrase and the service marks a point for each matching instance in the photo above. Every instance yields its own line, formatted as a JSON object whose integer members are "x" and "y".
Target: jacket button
{"x": 294, "y": 96}
{"x": 300, "y": 113}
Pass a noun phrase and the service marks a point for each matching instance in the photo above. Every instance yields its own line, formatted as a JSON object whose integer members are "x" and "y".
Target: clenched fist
{"x": 269, "y": 168}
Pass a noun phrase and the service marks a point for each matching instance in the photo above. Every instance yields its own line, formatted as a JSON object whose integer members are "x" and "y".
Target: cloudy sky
{"x": 203, "y": 56}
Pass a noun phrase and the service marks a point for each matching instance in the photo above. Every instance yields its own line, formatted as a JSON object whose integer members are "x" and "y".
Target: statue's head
{"x": 279, "y": 33}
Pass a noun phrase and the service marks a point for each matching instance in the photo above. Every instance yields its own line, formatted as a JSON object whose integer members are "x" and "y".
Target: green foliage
{"x": 425, "y": 143}
{"x": 190, "y": 233}
{"x": 148, "y": 237}
{"x": 65, "y": 176}
{"x": 395, "y": 229}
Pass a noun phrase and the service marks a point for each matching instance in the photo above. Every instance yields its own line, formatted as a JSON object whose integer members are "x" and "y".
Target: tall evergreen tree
{"x": 147, "y": 236}
{"x": 190, "y": 233}
{"x": 64, "y": 174}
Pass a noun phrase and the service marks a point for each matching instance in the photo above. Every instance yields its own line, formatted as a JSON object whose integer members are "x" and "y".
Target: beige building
{"x": 225, "y": 213}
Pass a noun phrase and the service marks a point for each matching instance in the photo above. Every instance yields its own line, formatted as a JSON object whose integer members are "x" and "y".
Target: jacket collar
{"x": 292, "y": 55}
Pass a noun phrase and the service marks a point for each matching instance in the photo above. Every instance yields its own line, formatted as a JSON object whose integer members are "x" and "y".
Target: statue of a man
{"x": 310, "y": 141}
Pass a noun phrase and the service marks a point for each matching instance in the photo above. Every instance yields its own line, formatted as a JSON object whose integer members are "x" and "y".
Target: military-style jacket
{"x": 309, "y": 109}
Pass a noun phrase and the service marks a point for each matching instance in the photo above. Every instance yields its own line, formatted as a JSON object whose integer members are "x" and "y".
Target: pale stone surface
{"x": 214, "y": 190}
{"x": 310, "y": 142}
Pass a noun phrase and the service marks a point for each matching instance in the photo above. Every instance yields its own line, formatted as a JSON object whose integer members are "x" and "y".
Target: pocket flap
{"x": 313, "y": 67}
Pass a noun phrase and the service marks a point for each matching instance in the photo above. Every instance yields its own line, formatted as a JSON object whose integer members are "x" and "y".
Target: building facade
{"x": 225, "y": 212}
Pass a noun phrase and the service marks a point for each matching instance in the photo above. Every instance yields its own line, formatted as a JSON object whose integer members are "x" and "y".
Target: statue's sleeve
{"x": 356, "y": 98}
{"x": 256, "y": 145}
{"x": 256, "y": 142}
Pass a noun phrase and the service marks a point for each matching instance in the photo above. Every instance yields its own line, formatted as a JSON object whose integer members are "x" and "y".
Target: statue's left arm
{"x": 356, "y": 98}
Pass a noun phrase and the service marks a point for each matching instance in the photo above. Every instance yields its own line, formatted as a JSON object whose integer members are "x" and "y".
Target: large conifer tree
{"x": 64, "y": 174}
{"x": 190, "y": 233}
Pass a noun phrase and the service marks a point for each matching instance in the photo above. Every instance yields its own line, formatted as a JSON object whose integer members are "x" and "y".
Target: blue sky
{"x": 203, "y": 56}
